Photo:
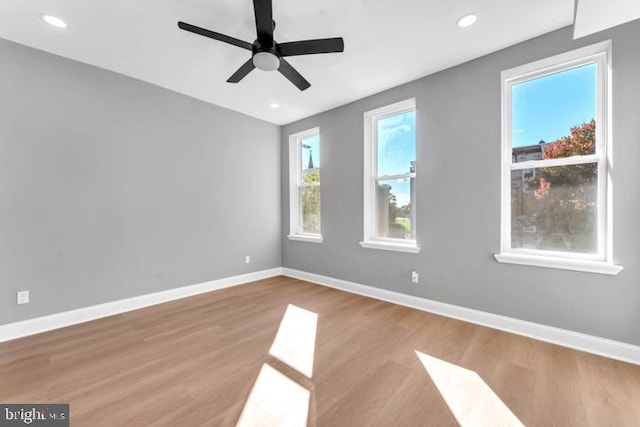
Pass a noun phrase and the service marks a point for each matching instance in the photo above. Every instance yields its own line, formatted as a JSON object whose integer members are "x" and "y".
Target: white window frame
{"x": 295, "y": 182}
{"x": 602, "y": 262}
{"x": 371, "y": 240}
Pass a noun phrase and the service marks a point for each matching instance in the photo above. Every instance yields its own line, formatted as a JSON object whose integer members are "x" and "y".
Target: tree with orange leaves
{"x": 565, "y": 197}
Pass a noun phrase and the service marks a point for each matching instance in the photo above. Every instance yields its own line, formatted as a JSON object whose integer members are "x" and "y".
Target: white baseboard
{"x": 576, "y": 340}
{"x": 579, "y": 341}
{"x": 37, "y": 325}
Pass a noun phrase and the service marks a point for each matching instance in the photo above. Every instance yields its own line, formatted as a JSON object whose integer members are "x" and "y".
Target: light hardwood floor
{"x": 194, "y": 362}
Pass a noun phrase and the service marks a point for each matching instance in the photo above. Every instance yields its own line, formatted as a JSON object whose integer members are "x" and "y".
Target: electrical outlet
{"x": 414, "y": 276}
{"x": 23, "y": 297}
{"x": 247, "y": 259}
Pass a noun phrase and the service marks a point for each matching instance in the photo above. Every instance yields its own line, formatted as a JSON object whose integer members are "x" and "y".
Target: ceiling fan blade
{"x": 294, "y": 77}
{"x": 242, "y": 72}
{"x": 264, "y": 21}
{"x": 214, "y": 35}
{"x": 307, "y": 47}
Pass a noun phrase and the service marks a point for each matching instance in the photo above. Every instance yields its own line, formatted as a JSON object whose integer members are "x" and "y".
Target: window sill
{"x": 389, "y": 246}
{"x": 305, "y": 238}
{"x": 599, "y": 267}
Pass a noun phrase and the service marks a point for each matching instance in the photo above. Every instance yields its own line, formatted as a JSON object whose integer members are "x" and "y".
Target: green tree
{"x": 388, "y": 213}
{"x": 405, "y": 211}
{"x": 311, "y": 202}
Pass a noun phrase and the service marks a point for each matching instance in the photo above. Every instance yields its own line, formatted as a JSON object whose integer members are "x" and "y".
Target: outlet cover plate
{"x": 23, "y": 297}
{"x": 414, "y": 276}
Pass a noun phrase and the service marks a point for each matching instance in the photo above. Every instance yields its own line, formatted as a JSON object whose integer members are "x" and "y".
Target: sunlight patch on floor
{"x": 295, "y": 342}
{"x": 275, "y": 400}
{"x": 469, "y": 398}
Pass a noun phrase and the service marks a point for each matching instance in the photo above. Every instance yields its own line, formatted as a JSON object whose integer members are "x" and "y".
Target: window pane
{"x": 310, "y": 158}
{"x": 554, "y": 115}
{"x": 555, "y": 208}
{"x": 396, "y": 144}
{"x": 310, "y": 174}
{"x": 310, "y": 209}
{"x": 394, "y": 208}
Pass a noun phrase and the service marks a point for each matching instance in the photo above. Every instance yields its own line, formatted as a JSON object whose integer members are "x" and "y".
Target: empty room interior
{"x": 330, "y": 213}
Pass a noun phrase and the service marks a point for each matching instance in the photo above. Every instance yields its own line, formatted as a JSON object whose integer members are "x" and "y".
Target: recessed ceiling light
{"x": 467, "y": 20}
{"x": 53, "y": 20}
{"x": 274, "y": 105}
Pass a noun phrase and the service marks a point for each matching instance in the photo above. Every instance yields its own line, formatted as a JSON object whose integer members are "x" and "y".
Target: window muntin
{"x": 390, "y": 176}
{"x": 304, "y": 176}
{"x": 556, "y": 187}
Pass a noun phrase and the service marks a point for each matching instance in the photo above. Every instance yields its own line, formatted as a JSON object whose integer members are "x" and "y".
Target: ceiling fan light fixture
{"x": 266, "y": 61}
{"x": 467, "y": 20}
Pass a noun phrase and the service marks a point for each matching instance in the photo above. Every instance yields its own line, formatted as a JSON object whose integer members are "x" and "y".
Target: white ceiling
{"x": 386, "y": 43}
{"x": 596, "y": 15}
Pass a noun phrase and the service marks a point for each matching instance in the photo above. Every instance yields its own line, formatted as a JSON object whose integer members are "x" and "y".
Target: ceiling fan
{"x": 266, "y": 53}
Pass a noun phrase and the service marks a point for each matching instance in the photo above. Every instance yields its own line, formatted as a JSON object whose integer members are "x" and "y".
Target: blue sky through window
{"x": 546, "y": 108}
{"x": 396, "y": 151}
{"x": 401, "y": 189}
{"x": 310, "y": 144}
{"x": 396, "y": 143}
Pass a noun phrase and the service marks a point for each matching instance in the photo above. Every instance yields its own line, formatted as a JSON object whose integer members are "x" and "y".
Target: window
{"x": 304, "y": 188}
{"x": 390, "y": 178}
{"x": 556, "y": 187}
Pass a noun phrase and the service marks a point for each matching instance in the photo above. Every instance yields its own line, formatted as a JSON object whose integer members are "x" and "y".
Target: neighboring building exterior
{"x": 524, "y": 154}
{"x": 523, "y": 233}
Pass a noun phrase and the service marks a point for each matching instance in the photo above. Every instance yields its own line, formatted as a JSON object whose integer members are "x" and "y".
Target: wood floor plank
{"x": 194, "y": 362}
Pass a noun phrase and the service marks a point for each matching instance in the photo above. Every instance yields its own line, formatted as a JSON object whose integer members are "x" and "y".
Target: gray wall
{"x": 111, "y": 187}
{"x": 458, "y": 137}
